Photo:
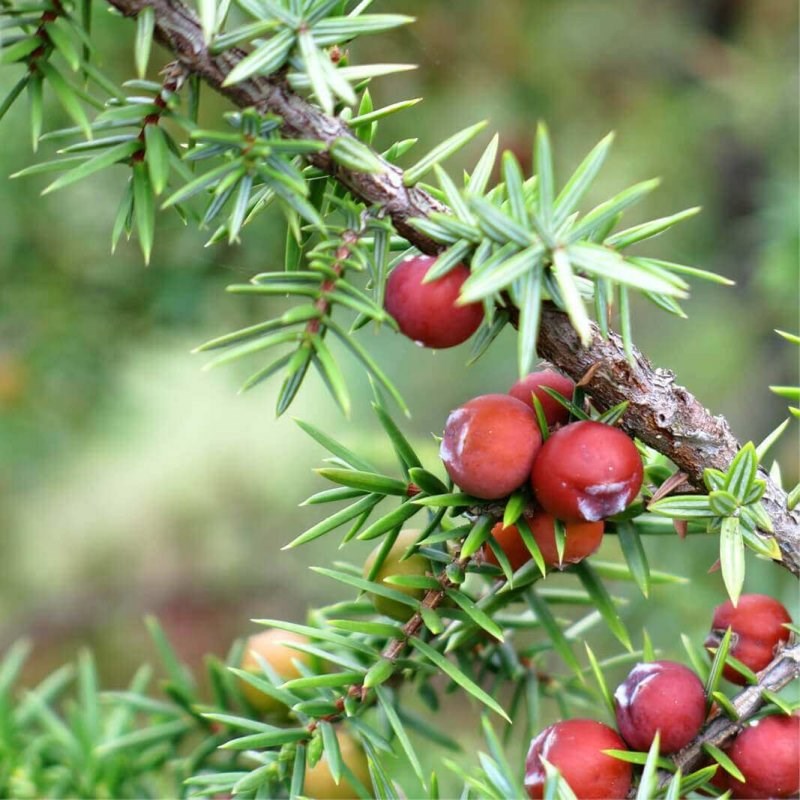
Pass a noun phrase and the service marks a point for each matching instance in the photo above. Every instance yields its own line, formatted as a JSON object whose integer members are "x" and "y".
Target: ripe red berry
{"x": 582, "y": 539}
{"x": 489, "y": 445}
{"x": 427, "y": 312}
{"x": 532, "y": 384}
{"x": 587, "y": 471}
{"x": 575, "y": 747}
{"x": 757, "y": 624}
{"x": 660, "y": 696}
{"x": 767, "y": 753}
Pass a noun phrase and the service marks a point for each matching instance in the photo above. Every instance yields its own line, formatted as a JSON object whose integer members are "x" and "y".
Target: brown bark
{"x": 662, "y": 414}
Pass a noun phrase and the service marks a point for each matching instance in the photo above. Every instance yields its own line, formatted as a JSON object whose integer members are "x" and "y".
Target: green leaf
{"x": 385, "y": 700}
{"x": 379, "y": 672}
{"x": 530, "y": 314}
{"x": 144, "y": 208}
{"x": 11, "y": 665}
{"x": 265, "y": 59}
{"x": 354, "y": 154}
{"x": 405, "y": 452}
{"x": 609, "y": 209}
{"x": 556, "y": 635}
{"x": 603, "y": 602}
{"x": 114, "y": 155}
{"x": 742, "y": 471}
{"x": 696, "y": 779}
{"x": 723, "y": 760}
{"x": 597, "y": 671}
{"x": 481, "y": 529}
{"x": 648, "y": 783}
{"x": 456, "y": 675}
{"x": 389, "y": 521}
{"x": 334, "y": 447}
{"x": 157, "y": 157}
{"x": 722, "y": 503}
{"x": 177, "y": 672}
{"x": 482, "y": 620}
{"x": 331, "y": 374}
{"x": 603, "y": 262}
{"x": 335, "y": 520}
{"x": 631, "y": 544}
{"x": 67, "y": 95}
{"x": 731, "y": 557}
{"x": 427, "y": 481}
{"x": 770, "y": 439}
{"x": 35, "y": 98}
{"x": 647, "y": 230}
{"x": 19, "y": 50}
{"x": 367, "y": 481}
{"x": 697, "y": 655}
{"x": 145, "y": 25}
{"x": 207, "y": 11}
{"x": 367, "y": 586}
{"x": 380, "y": 113}
{"x": 718, "y": 665}
{"x": 335, "y": 30}
{"x": 442, "y": 151}
{"x": 573, "y": 302}
{"x": 488, "y": 282}
{"x": 543, "y": 160}
{"x": 331, "y": 748}
{"x": 156, "y": 734}
{"x": 16, "y": 91}
{"x": 569, "y": 197}
{"x": 682, "y": 507}
{"x": 266, "y": 740}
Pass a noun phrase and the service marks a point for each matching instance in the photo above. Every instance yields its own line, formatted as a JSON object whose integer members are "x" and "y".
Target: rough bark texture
{"x": 662, "y": 414}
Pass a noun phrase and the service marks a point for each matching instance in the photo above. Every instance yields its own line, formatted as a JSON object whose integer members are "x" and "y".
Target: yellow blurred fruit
{"x": 319, "y": 783}
{"x": 273, "y": 646}
{"x": 392, "y": 565}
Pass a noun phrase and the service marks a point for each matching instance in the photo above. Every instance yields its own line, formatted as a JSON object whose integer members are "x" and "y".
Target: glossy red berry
{"x": 532, "y": 384}
{"x": 575, "y": 747}
{"x": 581, "y": 540}
{"x": 767, "y": 753}
{"x": 489, "y": 445}
{"x": 757, "y": 624}
{"x": 660, "y": 696}
{"x": 587, "y": 471}
{"x": 427, "y": 312}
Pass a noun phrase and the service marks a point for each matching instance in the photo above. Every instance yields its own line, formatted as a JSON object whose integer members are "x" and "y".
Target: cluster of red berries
{"x": 667, "y": 698}
{"x": 584, "y": 472}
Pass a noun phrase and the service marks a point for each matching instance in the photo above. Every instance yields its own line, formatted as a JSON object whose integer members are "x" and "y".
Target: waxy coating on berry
{"x": 664, "y": 697}
{"x": 531, "y": 385}
{"x": 767, "y": 753}
{"x": 575, "y": 748}
{"x": 587, "y": 471}
{"x": 757, "y": 625}
{"x": 274, "y": 647}
{"x": 489, "y": 445}
{"x": 392, "y": 565}
{"x": 427, "y": 312}
{"x": 581, "y": 540}
{"x": 318, "y": 781}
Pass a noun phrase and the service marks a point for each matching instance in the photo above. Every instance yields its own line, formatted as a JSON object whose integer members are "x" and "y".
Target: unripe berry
{"x": 489, "y": 445}
{"x": 757, "y": 624}
{"x": 767, "y": 753}
{"x": 319, "y": 783}
{"x": 587, "y": 471}
{"x": 575, "y": 747}
{"x": 427, "y": 312}
{"x": 532, "y": 384}
{"x": 581, "y": 540}
{"x": 274, "y": 647}
{"x": 660, "y": 696}
{"x": 415, "y": 564}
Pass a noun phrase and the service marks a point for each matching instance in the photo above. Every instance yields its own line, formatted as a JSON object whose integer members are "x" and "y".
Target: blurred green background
{"x": 131, "y": 481}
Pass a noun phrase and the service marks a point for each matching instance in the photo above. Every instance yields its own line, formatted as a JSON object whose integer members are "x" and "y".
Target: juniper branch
{"x": 662, "y": 414}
